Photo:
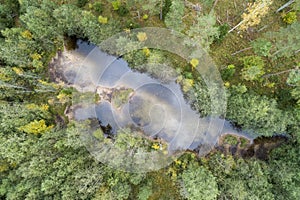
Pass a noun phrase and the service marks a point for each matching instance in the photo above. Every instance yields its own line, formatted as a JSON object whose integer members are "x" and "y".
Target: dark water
{"x": 159, "y": 109}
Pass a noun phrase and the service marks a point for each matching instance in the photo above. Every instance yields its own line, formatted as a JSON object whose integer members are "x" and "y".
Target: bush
{"x": 81, "y": 3}
{"x": 116, "y": 5}
{"x": 228, "y": 72}
{"x": 253, "y": 68}
{"x": 261, "y": 47}
{"x": 98, "y": 7}
{"x": 289, "y": 18}
{"x": 123, "y": 10}
{"x": 223, "y": 30}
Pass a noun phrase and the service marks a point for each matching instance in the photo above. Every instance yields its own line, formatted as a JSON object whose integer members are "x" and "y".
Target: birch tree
{"x": 253, "y": 15}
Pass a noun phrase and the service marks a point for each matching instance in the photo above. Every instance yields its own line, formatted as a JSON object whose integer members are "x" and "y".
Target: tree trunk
{"x": 241, "y": 51}
{"x": 285, "y": 5}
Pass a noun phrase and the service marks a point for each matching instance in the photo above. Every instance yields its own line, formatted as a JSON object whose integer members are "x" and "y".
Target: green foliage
{"x": 228, "y": 72}
{"x": 253, "y": 68}
{"x": 294, "y": 77}
{"x": 257, "y": 114}
{"x": 200, "y": 97}
{"x": 285, "y": 172}
{"x": 198, "y": 184}
{"x": 98, "y": 7}
{"x": 290, "y": 17}
{"x": 203, "y": 31}
{"x": 57, "y": 165}
{"x": 286, "y": 40}
{"x": 45, "y": 31}
{"x": 241, "y": 179}
{"x": 166, "y": 8}
{"x": 9, "y": 9}
{"x": 173, "y": 19}
{"x": 121, "y": 191}
{"x": 16, "y": 115}
{"x": 261, "y": 47}
{"x": 296, "y": 5}
{"x": 153, "y": 7}
{"x": 120, "y": 97}
{"x": 16, "y": 45}
{"x": 68, "y": 19}
{"x": 223, "y": 30}
{"x": 81, "y": 3}
{"x": 229, "y": 139}
{"x": 123, "y": 10}
{"x": 48, "y": 163}
{"x": 145, "y": 191}
{"x": 74, "y": 21}
{"x": 239, "y": 89}
{"x": 294, "y": 81}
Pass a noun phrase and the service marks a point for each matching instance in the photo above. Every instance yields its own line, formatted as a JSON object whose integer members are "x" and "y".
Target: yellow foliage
{"x": 145, "y": 17}
{"x": 36, "y": 127}
{"x": 32, "y": 106}
{"x": 18, "y": 71}
{"x": 127, "y": 30}
{"x": 26, "y": 34}
{"x": 194, "y": 62}
{"x": 187, "y": 84}
{"x": 172, "y": 172}
{"x": 254, "y": 12}
{"x": 227, "y": 84}
{"x": 44, "y": 107}
{"x": 155, "y": 146}
{"x": 53, "y": 85}
{"x": 63, "y": 98}
{"x": 177, "y": 162}
{"x": 3, "y": 167}
{"x": 51, "y": 101}
{"x": 146, "y": 51}
{"x": 102, "y": 20}
{"x": 290, "y": 17}
{"x": 35, "y": 56}
{"x": 142, "y": 36}
{"x": 270, "y": 85}
{"x": 4, "y": 76}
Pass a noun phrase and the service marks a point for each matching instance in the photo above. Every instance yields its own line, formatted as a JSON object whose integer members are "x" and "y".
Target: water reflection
{"x": 158, "y": 108}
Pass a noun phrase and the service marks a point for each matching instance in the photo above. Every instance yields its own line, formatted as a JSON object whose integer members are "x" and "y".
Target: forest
{"x": 255, "y": 47}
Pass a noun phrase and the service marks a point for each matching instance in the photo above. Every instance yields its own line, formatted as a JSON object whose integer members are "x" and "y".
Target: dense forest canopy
{"x": 256, "y": 47}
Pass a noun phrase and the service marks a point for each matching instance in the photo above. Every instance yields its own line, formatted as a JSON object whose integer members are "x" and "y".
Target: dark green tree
{"x": 198, "y": 184}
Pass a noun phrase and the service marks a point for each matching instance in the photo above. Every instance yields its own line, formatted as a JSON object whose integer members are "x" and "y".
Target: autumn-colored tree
{"x": 254, "y": 12}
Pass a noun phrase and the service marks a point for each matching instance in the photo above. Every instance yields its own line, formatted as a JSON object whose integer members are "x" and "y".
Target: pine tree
{"x": 173, "y": 19}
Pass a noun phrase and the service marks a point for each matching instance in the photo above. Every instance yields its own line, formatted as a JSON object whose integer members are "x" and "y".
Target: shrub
{"x": 253, "y": 68}
{"x": 261, "y": 47}
{"x": 116, "y": 4}
{"x": 123, "y": 10}
{"x": 98, "y": 7}
{"x": 223, "y": 30}
{"x": 228, "y": 72}
{"x": 81, "y": 3}
{"x": 289, "y": 18}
